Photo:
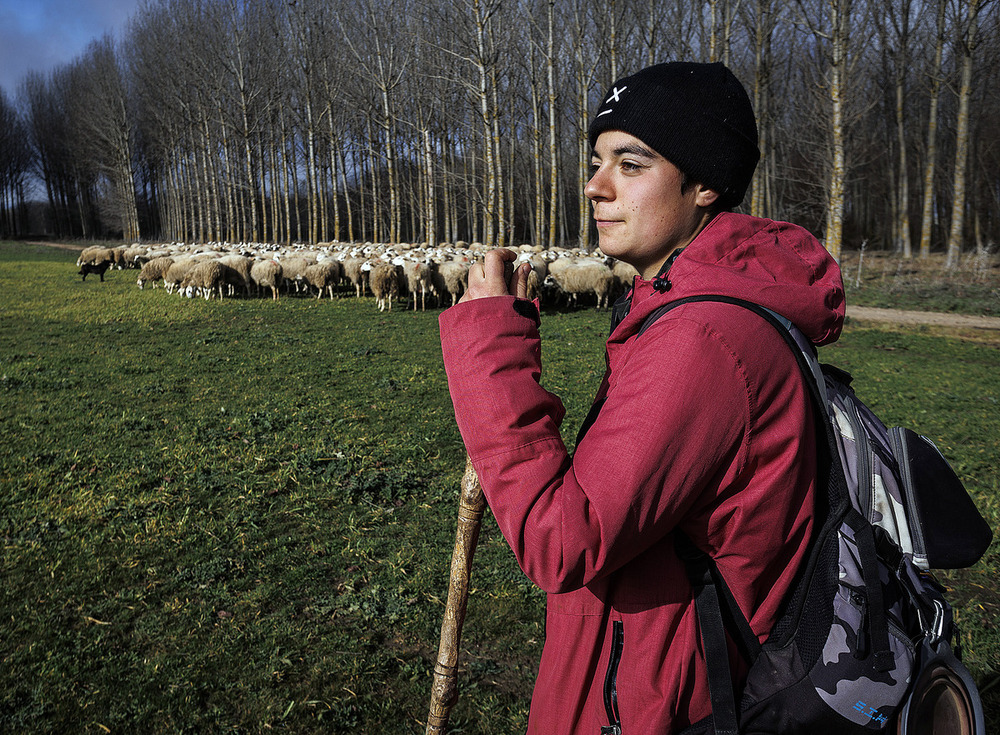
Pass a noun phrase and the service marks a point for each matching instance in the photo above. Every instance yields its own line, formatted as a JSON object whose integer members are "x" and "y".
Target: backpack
{"x": 863, "y": 642}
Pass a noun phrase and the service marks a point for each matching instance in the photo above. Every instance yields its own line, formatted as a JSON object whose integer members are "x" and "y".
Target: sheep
{"x": 177, "y": 271}
{"x": 419, "y": 279}
{"x": 323, "y": 276}
{"x": 356, "y": 272}
{"x": 153, "y": 271}
{"x": 267, "y": 274}
{"x": 118, "y": 257}
{"x": 293, "y": 271}
{"x": 583, "y": 276}
{"x": 99, "y": 269}
{"x": 207, "y": 278}
{"x": 559, "y": 263}
{"x": 451, "y": 277}
{"x": 384, "y": 280}
{"x": 134, "y": 256}
{"x": 536, "y": 277}
{"x": 624, "y": 275}
{"x": 95, "y": 255}
{"x": 238, "y": 273}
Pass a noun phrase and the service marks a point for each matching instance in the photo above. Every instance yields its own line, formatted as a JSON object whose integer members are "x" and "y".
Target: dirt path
{"x": 930, "y": 318}
{"x": 60, "y": 245}
{"x": 979, "y": 328}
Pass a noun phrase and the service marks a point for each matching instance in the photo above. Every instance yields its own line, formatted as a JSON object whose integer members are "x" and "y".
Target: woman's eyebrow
{"x": 635, "y": 150}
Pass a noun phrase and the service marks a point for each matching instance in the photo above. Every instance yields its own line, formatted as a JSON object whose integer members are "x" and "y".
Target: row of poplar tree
{"x": 446, "y": 120}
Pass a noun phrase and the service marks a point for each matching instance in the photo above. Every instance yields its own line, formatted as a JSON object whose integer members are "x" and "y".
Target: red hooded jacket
{"x": 705, "y": 426}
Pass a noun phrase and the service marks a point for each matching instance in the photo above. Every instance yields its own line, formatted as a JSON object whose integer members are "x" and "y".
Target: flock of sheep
{"x": 388, "y": 272}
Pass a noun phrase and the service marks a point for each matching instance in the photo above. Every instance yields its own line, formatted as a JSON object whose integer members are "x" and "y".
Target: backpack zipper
{"x": 611, "y": 680}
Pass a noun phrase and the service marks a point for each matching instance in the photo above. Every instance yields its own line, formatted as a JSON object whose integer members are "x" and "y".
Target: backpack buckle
{"x": 938, "y": 623}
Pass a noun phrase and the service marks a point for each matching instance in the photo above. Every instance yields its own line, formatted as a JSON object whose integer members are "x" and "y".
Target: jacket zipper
{"x": 611, "y": 681}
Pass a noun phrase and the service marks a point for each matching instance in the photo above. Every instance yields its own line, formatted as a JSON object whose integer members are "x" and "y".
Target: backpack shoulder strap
{"x": 803, "y": 350}
{"x": 715, "y": 605}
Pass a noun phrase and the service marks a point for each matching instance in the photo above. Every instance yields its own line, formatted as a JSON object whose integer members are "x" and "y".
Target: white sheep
{"x": 323, "y": 276}
{"x": 624, "y": 275}
{"x": 95, "y": 255}
{"x": 267, "y": 274}
{"x": 384, "y": 280}
{"x": 356, "y": 272}
{"x": 536, "y": 277}
{"x": 134, "y": 256}
{"x": 207, "y": 278}
{"x": 419, "y": 280}
{"x": 585, "y": 276}
{"x": 175, "y": 274}
{"x": 153, "y": 271}
{"x": 451, "y": 277}
{"x": 238, "y": 275}
{"x": 293, "y": 271}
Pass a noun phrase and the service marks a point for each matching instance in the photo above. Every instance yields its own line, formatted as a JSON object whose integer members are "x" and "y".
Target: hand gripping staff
{"x": 444, "y": 691}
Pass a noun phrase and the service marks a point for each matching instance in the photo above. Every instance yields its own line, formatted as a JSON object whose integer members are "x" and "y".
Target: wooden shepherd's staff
{"x": 444, "y": 691}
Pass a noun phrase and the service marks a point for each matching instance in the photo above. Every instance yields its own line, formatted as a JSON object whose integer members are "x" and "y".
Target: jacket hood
{"x": 777, "y": 265}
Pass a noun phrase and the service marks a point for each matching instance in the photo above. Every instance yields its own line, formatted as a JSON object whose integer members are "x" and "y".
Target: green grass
{"x": 237, "y": 517}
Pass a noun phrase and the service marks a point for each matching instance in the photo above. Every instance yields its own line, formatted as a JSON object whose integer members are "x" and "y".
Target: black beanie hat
{"x": 697, "y": 116}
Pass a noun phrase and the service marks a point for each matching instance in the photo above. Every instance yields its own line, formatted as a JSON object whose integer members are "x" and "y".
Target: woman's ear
{"x": 706, "y": 197}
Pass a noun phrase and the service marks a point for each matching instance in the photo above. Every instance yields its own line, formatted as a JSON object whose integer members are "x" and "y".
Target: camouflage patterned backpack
{"x": 864, "y": 640}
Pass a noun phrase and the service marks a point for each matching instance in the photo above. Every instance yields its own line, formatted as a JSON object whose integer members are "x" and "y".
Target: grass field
{"x": 237, "y": 517}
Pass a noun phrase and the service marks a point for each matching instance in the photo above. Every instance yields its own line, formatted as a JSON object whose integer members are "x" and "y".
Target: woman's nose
{"x": 597, "y": 187}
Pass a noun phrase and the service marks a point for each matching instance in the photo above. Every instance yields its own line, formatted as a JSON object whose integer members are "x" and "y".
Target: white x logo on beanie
{"x": 615, "y": 94}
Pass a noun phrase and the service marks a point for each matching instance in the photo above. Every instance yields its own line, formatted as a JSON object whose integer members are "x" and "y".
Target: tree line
{"x": 420, "y": 121}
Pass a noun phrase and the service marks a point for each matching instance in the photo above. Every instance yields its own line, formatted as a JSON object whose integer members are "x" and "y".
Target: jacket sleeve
{"x": 673, "y": 422}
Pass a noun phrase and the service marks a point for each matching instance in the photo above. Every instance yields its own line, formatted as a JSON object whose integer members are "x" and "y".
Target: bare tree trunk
{"x": 612, "y": 15}
{"x": 720, "y": 32}
{"x": 250, "y": 181}
{"x": 482, "y": 12}
{"x": 373, "y": 167}
{"x": 211, "y": 180}
{"x": 713, "y": 42}
{"x": 840, "y": 17}
{"x": 262, "y": 177}
{"x": 550, "y": 64}
{"x": 430, "y": 214}
{"x": 903, "y": 221}
{"x": 347, "y": 200}
{"x": 324, "y": 173}
{"x": 362, "y": 197}
{"x": 536, "y": 219}
{"x": 452, "y": 197}
{"x": 496, "y": 144}
{"x": 899, "y": 12}
{"x": 474, "y": 212}
{"x": 389, "y": 149}
{"x": 204, "y": 198}
{"x": 763, "y": 29}
{"x": 313, "y": 189}
{"x": 583, "y": 159}
{"x": 335, "y": 169}
{"x": 228, "y": 182}
{"x": 926, "y": 222}
{"x": 287, "y": 149}
{"x": 962, "y": 139}
{"x": 297, "y": 205}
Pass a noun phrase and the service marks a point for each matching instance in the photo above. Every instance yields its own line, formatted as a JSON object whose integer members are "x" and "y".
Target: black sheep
{"x": 97, "y": 268}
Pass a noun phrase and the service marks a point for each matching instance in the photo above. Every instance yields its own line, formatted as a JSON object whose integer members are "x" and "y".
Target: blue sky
{"x": 42, "y": 34}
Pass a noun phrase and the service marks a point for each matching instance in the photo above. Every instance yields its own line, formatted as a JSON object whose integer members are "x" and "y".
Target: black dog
{"x": 97, "y": 268}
